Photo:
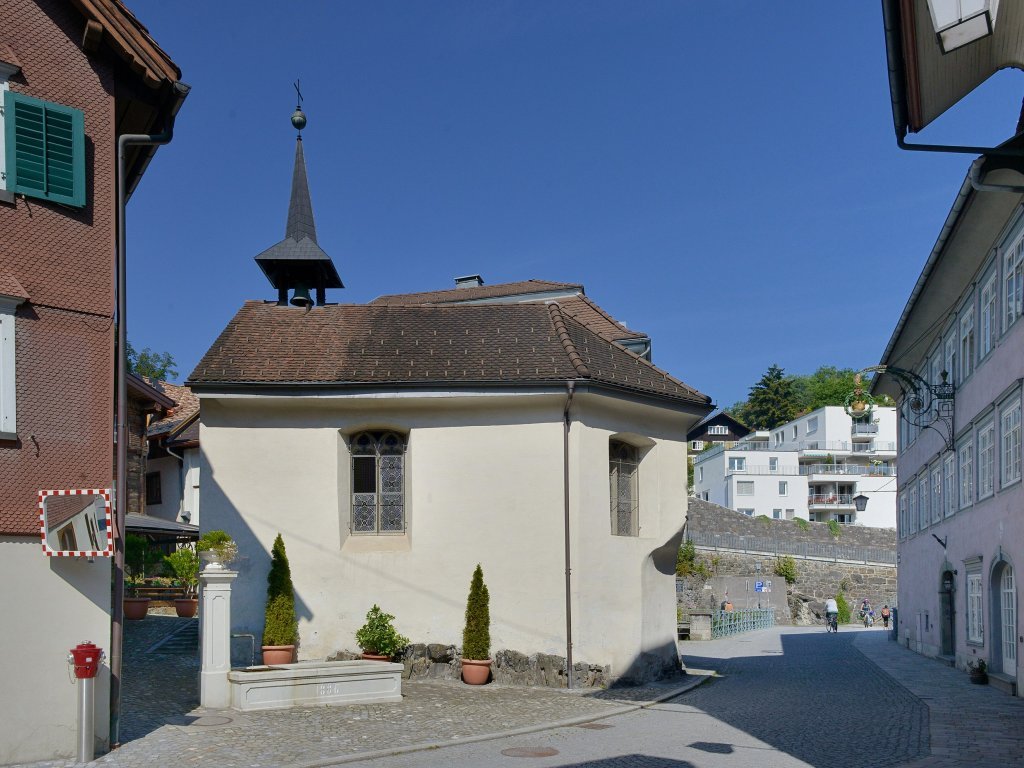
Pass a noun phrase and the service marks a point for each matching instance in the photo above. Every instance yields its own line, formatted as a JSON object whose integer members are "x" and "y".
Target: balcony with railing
{"x": 860, "y": 470}
{"x": 864, "y": 430}
{"x": 875, "y": 446}
{"x": 829, "y": 500}
{"x": 763, "y": 469}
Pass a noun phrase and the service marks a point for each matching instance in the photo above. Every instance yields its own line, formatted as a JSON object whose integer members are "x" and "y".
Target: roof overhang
{"x": 924, "y": 82}
{"x": 967, "y": 237}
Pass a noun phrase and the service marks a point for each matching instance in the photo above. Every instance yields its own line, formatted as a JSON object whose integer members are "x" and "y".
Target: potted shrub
{"x": 978, "y": 670}
{"x": 184, "y": 564}
{"x": 216, "y": 549}
{"x": 378, "y": 637}
{"x": 280, "y": 628}
{"x": 476, "y": 637}
{"x": 136, "y": 554}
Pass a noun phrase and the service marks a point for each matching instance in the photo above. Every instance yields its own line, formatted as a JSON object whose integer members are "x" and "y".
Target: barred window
{"x": 378, "y": 483}
{"x": 624, "y": 463}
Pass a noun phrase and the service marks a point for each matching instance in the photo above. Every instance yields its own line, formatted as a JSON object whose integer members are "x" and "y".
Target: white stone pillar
{"x": 215, "y": 637}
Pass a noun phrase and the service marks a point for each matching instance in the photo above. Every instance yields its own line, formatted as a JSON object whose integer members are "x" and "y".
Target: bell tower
{"x": 297, "y": 263}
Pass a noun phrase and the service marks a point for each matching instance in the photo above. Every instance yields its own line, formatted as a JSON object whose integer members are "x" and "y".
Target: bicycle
{"x": 831, "y": 623}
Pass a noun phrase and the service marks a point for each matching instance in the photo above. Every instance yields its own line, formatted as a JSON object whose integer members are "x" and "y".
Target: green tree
{"x": 476, "y": 637}
{"x": 771, "y": 401}
{"x": 280, "y": 625}
{"x": 156, "y": 366}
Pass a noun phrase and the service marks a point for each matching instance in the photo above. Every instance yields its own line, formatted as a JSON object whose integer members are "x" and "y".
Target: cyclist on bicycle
{"x": 831, "y": 614}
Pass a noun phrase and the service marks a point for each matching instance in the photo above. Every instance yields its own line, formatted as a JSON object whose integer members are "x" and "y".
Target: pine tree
{"x": 771, "y": 401}
{"x": 476, "y": 637}
{"x": 280, "y": 625}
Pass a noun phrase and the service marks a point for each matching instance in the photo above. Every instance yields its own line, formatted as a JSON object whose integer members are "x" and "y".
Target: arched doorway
{"x": 947, "y": 588}
{"x": 1004, "y": 618}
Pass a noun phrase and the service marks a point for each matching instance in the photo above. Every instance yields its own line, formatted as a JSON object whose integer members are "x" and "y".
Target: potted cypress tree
{"x": 281, "y": 628}
{"x": 476, "y": 637}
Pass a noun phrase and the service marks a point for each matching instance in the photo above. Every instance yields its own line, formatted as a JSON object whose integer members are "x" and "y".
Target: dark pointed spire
{"x": 300, "y": 207}
{"x": 297, "y": 262}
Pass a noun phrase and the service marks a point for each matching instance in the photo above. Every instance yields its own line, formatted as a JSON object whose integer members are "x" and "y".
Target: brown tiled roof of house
{"x": 587, "y": 313}
{"x": 476, "y": 292}
{"x": 186, "y": 434}
{"x": 9, "y": 286}
{"x": 186, "y": 406}
{"x": 131, "y": 40}
{"x": 458, "y": 344}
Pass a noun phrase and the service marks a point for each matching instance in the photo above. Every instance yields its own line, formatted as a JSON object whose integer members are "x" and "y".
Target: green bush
{"x": 843, "y": 607}
{"x": 785, "y": 566}
{"x": 220, "y": 542}
{"x": 764, "y": 519}
{"x": 686, "y": 559}
{"x": 800, "y": 523}
{"x": 835, "y": 529}
{"x": 378, "y": 635}
{"x": 184, "y": 564}
{"x": 476, "y": 637}
{"x": 280, "y": 625}
{"x": 139, "y": 559}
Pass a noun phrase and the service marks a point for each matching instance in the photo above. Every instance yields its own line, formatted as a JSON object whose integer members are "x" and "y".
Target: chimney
{"x": 469, "y": 281}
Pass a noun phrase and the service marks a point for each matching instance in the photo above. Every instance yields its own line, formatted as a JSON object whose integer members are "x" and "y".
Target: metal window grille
{"x": 378, "y": 483}
{"x": 624, "y": 463}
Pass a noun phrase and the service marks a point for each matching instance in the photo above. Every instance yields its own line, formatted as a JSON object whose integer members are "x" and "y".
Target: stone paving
{"x": 782, "y": 698}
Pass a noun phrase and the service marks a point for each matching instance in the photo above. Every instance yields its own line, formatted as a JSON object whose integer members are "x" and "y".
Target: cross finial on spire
{"x": 298, "y": 116}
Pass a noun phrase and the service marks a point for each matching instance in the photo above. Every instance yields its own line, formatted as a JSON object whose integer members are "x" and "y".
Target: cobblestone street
{"x": 780, "y": 698}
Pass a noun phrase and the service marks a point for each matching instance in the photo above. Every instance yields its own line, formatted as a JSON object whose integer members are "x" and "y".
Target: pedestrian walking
{"x": 885, "y": 615}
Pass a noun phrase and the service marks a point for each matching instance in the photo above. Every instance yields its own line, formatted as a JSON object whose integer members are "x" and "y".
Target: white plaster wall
{"x": 58, "y": 603}
{"x": 170, "y": 488}
{"x": 484, "y": 484}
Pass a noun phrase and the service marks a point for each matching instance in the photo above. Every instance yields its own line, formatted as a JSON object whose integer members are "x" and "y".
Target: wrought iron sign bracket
{"x": 928, "y": 406}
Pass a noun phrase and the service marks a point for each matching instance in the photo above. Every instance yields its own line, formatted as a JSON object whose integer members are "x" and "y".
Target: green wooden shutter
{"x": 45, "y": 149}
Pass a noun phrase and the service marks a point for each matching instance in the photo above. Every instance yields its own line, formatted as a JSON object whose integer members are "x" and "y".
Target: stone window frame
{"x": 965, "y": 473}
{"x": 378, "y": 436}
{"x": 624, "y": 487}
{"x": 949, "y": 488}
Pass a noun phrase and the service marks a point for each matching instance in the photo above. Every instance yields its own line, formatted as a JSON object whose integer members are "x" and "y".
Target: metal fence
{"x": 810, "y": 550}
{"x": 725, "y": 623}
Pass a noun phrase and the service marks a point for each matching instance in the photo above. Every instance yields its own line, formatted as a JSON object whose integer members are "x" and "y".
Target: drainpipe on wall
{"x": 181, "y": 479}
{"x": 121, "y": 427}
{"x": 570, "y": 387}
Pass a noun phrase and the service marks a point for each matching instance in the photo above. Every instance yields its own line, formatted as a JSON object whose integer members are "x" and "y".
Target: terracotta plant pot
{"x": 475, "y": 672}
{"x": 278, "y": 654}
{"x": 187, "y": 607}
{"x": 136, "y": 608}
{"x": 375, "y": 657}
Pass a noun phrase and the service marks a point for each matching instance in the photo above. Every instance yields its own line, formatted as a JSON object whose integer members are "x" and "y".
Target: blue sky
{"x": 722, "y": 176}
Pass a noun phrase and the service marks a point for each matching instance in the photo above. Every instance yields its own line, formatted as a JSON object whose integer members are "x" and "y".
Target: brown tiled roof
{"x": 9, "y": 286}
{"x": 587, "y": 313}
{"x": 460, "y": 344}
{"x": 187, "y": 434}
{"x": 473, "y": 293}
{"x": 131, "y": 40}
{"x": 186, "y": 406}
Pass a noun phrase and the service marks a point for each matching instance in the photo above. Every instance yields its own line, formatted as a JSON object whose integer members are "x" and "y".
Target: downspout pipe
{"x": 570, "y": 387}
{"x": 121, "y": 427}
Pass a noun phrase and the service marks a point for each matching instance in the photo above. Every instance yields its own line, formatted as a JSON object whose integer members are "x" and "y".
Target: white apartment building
{"x": 812, "y": 467}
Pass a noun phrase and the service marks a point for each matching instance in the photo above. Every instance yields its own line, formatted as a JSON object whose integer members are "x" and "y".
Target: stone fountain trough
{"x": 312, "y": 683}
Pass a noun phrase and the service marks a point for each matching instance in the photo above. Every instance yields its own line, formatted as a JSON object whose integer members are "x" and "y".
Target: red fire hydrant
{"x": 86, "y": 658}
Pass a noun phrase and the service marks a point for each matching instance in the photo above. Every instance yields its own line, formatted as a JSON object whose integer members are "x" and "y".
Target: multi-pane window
{"x": 949, "y": 361}
{"x": 718, "y": 429}
{"x": 936, "y": 503}
{"x": 812, "y": 425}
{"x": 989, "y": 323}
{"x": 696, "y": 445}
{"x": 776, "y": 514}
{"x": 624, "y": 466}
{"x": 745, "y": 488}
{"x": 966, "y": 344}
{"x": 936, "y": 374}
{"x": 783, "y": 488}
{"x": 922, "y": 500}
{"x": 966, "y": 475}
{"x": 912, "y": 509}
{"x": 773, "y": 463}
{"x": 1011, "y": 444}
{"x": 378, "y": 482}
{"x": 903, "y": 516}
{"x": 949, "y": 485}
{"x": 975, "y": 609}
{"x": 1013, "y": 277}
{"x": 986, "y": 459}
{"x": 746, "y": 511}
{"x": 153, "y": 490}
{"x": 737, "y": 464}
